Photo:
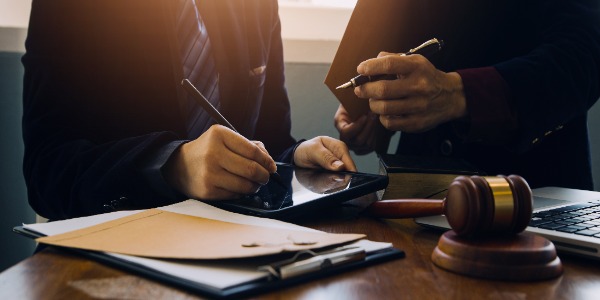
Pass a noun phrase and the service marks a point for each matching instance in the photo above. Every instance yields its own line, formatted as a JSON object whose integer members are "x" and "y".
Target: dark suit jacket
{"x": 102, "y": 88}
{"x": 547, "y": 53}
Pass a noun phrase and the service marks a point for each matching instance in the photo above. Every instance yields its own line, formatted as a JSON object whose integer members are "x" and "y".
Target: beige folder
{"x": 161, "y": 234}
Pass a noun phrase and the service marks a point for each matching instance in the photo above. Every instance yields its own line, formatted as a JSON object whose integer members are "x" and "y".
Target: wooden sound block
{"x": 521, "y": 257}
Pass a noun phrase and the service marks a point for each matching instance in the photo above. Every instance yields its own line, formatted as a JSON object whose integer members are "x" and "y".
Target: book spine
{"x": 382, "y": 171}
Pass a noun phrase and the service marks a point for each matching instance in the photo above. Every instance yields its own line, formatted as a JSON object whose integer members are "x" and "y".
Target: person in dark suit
{"x": 509, "y": 92}
{"x": 105, "y": 120}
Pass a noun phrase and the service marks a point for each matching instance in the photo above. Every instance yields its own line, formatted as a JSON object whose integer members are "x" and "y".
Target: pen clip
{"x": 434, "y": 44}
{"x": 317, "y": 261}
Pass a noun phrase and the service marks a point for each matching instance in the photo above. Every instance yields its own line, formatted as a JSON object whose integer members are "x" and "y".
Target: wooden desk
{"x": 55, "y": 274}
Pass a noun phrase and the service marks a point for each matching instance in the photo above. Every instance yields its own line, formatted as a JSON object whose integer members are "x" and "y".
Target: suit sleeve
{"x": 539, "y": 92}
{"x": 85, "y": 140}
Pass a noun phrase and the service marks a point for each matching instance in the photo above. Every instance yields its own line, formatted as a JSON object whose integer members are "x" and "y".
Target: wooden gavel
{"x": 473, "y": 205}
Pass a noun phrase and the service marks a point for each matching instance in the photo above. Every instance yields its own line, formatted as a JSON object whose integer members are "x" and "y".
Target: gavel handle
{"x": 406, "y": 208}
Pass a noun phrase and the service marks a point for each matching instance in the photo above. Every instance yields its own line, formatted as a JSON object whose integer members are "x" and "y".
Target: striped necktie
{"x": 198, "y": 66}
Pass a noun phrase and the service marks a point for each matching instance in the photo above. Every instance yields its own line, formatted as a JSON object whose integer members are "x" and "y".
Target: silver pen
{"x": 317, "y": 261}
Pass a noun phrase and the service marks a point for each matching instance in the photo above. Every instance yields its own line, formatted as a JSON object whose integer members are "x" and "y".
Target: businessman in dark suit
{"x": 106, "y": 122}
{"x": 509, "y": 92}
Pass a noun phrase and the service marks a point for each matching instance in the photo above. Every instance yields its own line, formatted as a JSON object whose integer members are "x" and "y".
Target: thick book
{"x": 420, "y": 177}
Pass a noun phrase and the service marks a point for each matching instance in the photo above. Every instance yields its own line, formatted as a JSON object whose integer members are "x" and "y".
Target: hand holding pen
{"x": 420, "y": 99}
{"x": 426, "y": 49}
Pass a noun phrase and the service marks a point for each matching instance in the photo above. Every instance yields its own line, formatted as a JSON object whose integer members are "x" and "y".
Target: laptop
{"x": 569, "y": 218}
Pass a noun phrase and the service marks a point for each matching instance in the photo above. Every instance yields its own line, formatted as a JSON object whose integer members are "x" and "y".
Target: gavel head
{"x": 476, "y": 205}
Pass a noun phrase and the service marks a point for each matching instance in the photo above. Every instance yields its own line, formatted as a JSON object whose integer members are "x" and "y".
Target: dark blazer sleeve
{"x": 551, "y": 77}
{"x": 559, "y": 79}
{"x": 532, "y": 65}
{"x": 96, "y": 80}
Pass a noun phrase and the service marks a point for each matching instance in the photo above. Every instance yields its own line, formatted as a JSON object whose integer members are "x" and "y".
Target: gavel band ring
{"x": 503, "y": 202}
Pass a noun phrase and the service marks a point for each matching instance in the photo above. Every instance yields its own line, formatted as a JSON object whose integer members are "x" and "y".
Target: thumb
{"x": 331, "y": 162}
{"x": 336, "y": 155}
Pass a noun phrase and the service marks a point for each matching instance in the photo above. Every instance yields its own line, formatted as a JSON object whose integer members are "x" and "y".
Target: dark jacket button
{"x": 108, "y": 208}
{"x": 115, "y": 204}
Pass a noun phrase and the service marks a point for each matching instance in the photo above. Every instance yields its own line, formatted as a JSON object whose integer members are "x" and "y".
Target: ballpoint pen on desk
{"x": 426, "y": 49}
{"x": 217, "y": 116}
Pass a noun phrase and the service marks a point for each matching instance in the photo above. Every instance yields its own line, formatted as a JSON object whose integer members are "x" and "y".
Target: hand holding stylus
{"x": 218, "y": 117}
{"x": 220, "y": 164}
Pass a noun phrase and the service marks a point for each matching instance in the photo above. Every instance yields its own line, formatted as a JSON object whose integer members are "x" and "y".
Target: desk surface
{"x": 55, "y": 274}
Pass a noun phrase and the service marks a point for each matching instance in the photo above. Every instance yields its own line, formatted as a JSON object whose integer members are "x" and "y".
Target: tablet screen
{"x": 300, "y": 189}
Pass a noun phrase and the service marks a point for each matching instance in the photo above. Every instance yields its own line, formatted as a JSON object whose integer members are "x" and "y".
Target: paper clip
{"x": 317, "y": 261}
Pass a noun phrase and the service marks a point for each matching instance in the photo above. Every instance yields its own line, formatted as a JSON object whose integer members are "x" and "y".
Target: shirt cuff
{"x": 287, "y": 156}
{"x": 489, "y": 101}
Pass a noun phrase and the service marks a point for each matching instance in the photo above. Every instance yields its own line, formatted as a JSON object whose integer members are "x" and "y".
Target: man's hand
{"x": 220, "y": 164}
{"x": 359, "y": 135}
{"x": 324, "y": 152}
{"x": 422, "y": 97}
{"x": 364, "y": 135}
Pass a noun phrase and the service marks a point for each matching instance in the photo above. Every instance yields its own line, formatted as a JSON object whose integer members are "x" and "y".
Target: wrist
{"x": 296, "y": 155}
{"x": 457, "y": 96}
{"x": 294, "y": 151}
{"x": 173, "y": 170}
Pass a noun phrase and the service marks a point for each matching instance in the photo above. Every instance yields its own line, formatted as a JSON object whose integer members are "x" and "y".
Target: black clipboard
{"x": 246, "y": 289}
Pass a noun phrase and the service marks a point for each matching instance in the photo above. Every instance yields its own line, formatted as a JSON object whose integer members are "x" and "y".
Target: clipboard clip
{"x": 299, "y": 265}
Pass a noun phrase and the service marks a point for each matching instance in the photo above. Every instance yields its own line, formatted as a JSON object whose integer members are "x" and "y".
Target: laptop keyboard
{"x": 581, "y": 218}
